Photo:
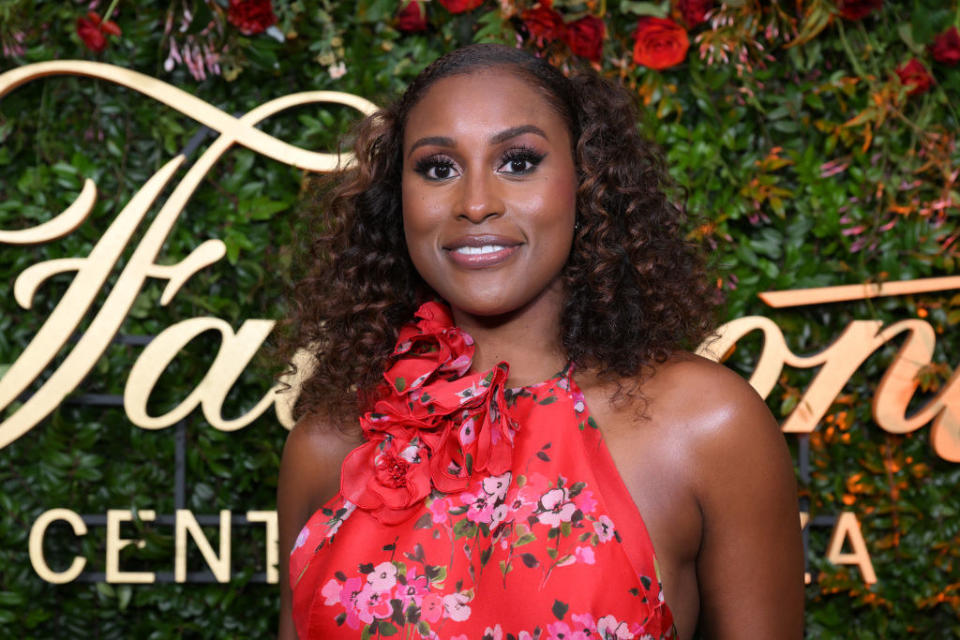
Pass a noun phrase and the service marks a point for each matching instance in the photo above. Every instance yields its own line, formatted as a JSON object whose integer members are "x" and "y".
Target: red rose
{"x": 585, "y": 37}
{"x": 857, "y": 9}
{"x": 694, "y": 11}
{"x": 251, "y": 16}
{"x": 660, "y": 43}
{"x": 92, "y": 29}
{"x": 412, "y": 17}
{"x": 915, "y": 76}
{"x": 946, "y": 47}
{"x": 543, "y": 23}
{"x": 460, "y": 6}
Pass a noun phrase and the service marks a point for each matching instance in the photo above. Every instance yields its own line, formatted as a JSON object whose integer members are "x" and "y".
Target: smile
{"x": 481, "y": 252}
{"x": 476, "y": 251}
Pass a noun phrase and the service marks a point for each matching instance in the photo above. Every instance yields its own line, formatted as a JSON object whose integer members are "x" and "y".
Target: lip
{"x": 505, "y": 248}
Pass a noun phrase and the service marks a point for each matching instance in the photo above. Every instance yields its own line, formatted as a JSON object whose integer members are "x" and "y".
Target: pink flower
{"x": 383, "y": 577}
{"x": 301, "y": 539}
{"x": 438, "y": 510}
{"x": 350, "y": 599}
{"x": 604, "y": 528}
{"x": 585, "y": 502}
{"x": 331, "y": 592}
{"x": 373, "y": 604}
{"x": 432, "y": 607}
{"x": 414, "y": 590}
{"x": 585, "y": 555}
{"x": 479, "y": 506}
{"x": 558, "y": 630}
{"x": 494, "y": 633}
{"x": 497, "y": 486}
{"x": 557, "y": 507}
{"x": 609, "y": 627}
{"x": 456, "y": 607}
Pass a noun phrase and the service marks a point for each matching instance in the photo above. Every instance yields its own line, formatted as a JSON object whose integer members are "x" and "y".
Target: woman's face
{"x": 489, "y": 193}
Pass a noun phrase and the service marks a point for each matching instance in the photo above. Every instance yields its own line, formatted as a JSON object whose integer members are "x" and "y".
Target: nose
{"x": 480, "y": 198}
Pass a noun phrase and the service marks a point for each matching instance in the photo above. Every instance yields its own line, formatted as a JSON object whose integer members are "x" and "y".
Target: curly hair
{"x": 636, "y": 289}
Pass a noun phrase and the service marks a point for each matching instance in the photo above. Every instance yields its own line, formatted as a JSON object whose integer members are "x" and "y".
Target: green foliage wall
{"x": 814, "y": 149}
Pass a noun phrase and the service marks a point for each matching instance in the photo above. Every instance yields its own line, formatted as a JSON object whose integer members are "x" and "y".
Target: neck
{"x": 528, "y": 339}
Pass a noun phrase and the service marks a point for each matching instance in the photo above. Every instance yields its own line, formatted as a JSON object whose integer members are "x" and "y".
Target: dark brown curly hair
{"x": 636, "y": 288}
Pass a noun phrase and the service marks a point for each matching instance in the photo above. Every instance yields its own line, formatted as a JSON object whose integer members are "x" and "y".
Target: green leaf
{"x": 560, "y": 609}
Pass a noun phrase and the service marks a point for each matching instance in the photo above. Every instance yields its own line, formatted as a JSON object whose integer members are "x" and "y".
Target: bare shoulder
{"x": 310, "y": 467}
{"x": 719, "y": 417}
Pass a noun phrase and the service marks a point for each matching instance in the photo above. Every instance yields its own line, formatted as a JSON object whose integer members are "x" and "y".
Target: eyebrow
{"x": 503, "y": 136}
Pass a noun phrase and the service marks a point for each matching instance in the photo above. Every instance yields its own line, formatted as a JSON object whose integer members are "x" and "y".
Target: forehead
{"x": 483, "y": 100}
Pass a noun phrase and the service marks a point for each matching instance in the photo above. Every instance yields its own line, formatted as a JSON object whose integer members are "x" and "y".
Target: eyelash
{"x": 515, "y": 154}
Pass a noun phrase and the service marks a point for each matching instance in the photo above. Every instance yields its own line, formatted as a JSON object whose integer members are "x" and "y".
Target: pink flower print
{"x": 461, "y": 364}
{"x": 494, "y": 633}
{"x": 524, "y": 635}
{"x": 468, "y": 432}
{"x": 584, "y": 623}
{"x": 462, "y": 636}
{"x": 604, "y": 528}
{"x": 610, "y": 629}
{"x": 479, "y": 506}
{"x": 331, "y": 592}
{"x": 350, "y": 599}
{"x": 557, "y": 507}
{"x": 563, "y": 383}
{"x": 301, "y": 539}
{"x": 585, "y": 555}
{"x": 415, "y": 589}
{"x": 456, "y": 607}
{"x": 383, "y": 578}
{"x": 559, "y": 631}
{"x": 579, "y": 402}
{"x": 438, "y": 510}
{"x": 497, "y": 485}
{"x": 585, "y": 502}
{"x": 499, "y": 514}
{"x": 431, "y": 609}
{"x": 373, "y": 604}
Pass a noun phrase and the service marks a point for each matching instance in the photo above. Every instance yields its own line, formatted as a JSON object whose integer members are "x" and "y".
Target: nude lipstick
{"x": 481, "y": 251}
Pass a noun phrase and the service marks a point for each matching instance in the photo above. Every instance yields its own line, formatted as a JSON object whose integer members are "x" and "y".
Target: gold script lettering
{"x": 92, "y": 271}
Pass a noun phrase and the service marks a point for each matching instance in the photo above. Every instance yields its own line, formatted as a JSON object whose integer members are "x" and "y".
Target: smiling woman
{"x": 504, "y": 298}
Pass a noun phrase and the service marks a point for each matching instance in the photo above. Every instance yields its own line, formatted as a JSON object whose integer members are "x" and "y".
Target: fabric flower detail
{"x": 388, "y": 475}
{"x": 660, "y": 43}
{"x": 432, "y": 425}
{"x": 946, "y": 47}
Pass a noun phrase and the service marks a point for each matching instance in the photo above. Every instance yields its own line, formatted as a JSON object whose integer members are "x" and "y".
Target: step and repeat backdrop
{"x": 158, "y": 180}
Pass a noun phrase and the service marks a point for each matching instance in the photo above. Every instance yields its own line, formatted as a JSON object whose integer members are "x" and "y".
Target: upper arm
{"x": 309, "y": 477}
{"x": 750, "y": 563}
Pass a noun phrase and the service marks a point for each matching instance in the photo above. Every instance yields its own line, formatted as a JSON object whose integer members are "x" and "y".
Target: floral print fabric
{"x": 476, "y": 511}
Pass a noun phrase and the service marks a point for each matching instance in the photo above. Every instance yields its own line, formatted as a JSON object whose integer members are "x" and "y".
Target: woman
{"x": 504, "y": 223}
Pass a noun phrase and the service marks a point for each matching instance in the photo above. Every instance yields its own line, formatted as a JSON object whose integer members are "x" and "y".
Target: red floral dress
{"x": 475, "y": 511}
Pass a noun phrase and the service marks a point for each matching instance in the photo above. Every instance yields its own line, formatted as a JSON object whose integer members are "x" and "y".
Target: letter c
{"x": 39, "y": 530}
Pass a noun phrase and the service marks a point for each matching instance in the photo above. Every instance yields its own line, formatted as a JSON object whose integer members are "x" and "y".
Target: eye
{"x": 436, "y": 167}
{"x": 521, "y": 160}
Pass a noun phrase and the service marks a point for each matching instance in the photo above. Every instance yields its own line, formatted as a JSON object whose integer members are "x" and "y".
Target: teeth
{"x": 477, "y": 251}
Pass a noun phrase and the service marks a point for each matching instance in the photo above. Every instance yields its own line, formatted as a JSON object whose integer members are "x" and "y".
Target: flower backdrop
{"x": 815, "y": 141}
